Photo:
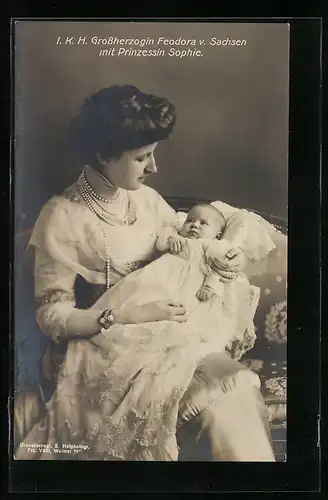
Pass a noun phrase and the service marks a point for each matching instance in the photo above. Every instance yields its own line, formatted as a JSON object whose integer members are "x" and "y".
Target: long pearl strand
{"x": 107, "y": 256}
{"x": 91, "y": 199}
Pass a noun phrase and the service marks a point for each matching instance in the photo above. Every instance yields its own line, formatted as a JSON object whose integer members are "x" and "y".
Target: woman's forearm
{"x": 82, "y": 323}
{"x": 62, "y": 321}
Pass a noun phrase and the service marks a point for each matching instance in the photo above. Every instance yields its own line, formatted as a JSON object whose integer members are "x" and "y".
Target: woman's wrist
{"x": 119, "y": 316}
{"x": 83, "y": 323}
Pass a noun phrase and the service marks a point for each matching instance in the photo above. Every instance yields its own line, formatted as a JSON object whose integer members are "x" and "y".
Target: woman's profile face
{"x": 132, "y": 168}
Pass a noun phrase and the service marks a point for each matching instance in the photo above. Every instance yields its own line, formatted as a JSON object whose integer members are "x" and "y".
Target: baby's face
{"x": 201, "y": 222}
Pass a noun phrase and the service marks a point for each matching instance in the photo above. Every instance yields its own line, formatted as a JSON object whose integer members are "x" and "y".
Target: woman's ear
{"x": 101, "y": 160}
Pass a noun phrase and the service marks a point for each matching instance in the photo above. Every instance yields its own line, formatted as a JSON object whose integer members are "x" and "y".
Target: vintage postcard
{"x": 150, "y": 171}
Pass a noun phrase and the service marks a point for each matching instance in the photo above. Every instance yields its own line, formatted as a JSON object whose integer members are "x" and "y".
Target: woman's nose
{"x": 151, "y": 167}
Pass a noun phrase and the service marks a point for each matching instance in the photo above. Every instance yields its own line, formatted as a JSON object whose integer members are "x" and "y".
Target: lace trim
{"x": 136, "y": 264}
{"x": 52, "y": 319}
{"x": 133, "y": 435}
{"x": 238, "y": 347}
{"x": 72, "y": 194}
{"x": 54, "y": 296}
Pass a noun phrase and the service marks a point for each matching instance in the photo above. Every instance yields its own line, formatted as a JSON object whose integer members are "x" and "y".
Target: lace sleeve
{"x": 243, "y": 229}
{"x": 56, "y": 254}
{"x": 54, "y": 294}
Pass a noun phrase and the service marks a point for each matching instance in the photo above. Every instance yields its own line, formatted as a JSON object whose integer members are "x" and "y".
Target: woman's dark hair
{"x": 119, "y": 118}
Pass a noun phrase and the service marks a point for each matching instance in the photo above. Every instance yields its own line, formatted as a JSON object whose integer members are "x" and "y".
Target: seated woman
{"x": 102, "y": 228}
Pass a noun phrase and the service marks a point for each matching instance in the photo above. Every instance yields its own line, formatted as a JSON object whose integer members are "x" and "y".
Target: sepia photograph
{"x": 151, "y": 218}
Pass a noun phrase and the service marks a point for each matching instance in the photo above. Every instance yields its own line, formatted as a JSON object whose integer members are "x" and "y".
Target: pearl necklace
{"x": 93, "y": 193}
{"x": 91, "y": 200}
{"x": 110, "y": 218}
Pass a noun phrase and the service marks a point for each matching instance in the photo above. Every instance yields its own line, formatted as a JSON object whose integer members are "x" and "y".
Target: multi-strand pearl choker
{"x": 96, "y": 195}
{"x": 123, "y": 212}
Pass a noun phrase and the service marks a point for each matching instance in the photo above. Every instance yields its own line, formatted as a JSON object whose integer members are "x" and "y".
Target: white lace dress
{"x": 120, "y": 402}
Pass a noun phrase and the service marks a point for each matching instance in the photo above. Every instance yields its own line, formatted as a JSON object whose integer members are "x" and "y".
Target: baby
{"x": 203, "y": 222}
{"x": 183, "y": 274}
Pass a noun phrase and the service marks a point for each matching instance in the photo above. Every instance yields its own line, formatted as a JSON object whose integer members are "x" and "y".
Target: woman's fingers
{"x": 180, "y": 319}
{"x": 218, "y": 266}
{"x": 235, "y": 265}
{"x": 227, "y": 274}
{"x": 225, "y": 280}
{"x": 177, "y": 310}
{"x": 233, "y": 252}
{"x": 238, "y": 262}
{"x": 232, "y": 269}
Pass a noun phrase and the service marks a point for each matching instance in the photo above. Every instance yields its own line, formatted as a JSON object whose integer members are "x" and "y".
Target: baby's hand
{"x": 205, "y": 293}
{"x": 177, "y": 244}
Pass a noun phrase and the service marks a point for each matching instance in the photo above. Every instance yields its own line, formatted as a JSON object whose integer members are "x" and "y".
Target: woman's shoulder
{"x": 64, "y": 204}
{"x": 56, "y": 220}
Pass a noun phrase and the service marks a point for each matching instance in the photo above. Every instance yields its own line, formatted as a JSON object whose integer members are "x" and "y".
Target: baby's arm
{"x": 170, "y": 240}
{"x": 169, "y": 232}
{"x": 162, "y": 242}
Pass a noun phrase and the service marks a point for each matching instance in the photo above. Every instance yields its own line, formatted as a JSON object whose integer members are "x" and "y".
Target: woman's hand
{"x": 230, "y": 266}
{"x": 158, "y": 310}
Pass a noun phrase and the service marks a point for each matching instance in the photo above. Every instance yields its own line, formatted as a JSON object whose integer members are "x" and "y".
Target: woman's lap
{"x": 76, "y": 407}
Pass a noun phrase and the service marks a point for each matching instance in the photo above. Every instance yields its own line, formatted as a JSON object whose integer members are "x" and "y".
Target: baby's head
{"x": 203, "y": 221}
